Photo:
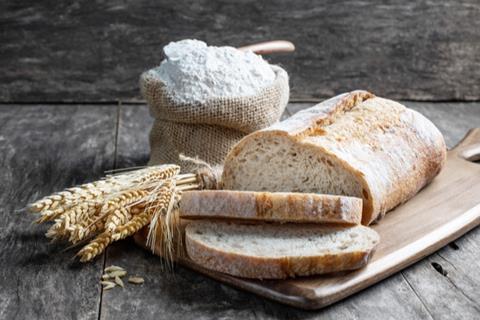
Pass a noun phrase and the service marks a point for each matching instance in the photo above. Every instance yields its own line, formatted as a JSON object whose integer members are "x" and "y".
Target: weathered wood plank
{"x": 185, "y": 294}
{"x": 188, "y": 295}
{"x": 447, "y": 282}
{"x": 95, "y": 50}
{"x": 134, "y": 126}
{"x": 42, "y": 150}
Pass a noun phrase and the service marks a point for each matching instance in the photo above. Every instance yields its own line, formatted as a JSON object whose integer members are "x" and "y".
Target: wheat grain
{"x": 131, "y": 227}
{"x": 93, "y": 190}
{"x": 113, "y": 268}
{"x": 95, "y": 247}
{"x": 119, "y": 282}
{"x": 89, "y": 224}
{"x": 81, "y": 232}
{"x": 163, "y": 197}
{"x": 124, "y": 199}
{"x": 136, "y": 280}
{"x": 72, "y": 196}
{"x": 67, "y": 224}
{"x": 116, "y": 210}
{"x": 81, "y": 217}
{"x": 157, "y": 173}
{"x": 50, "y": 214}
{"x": 118, "y": 217}
{"x": 137, "y": 209}
{"x": 109, "y": 286}
{"x": 118, "y": 273}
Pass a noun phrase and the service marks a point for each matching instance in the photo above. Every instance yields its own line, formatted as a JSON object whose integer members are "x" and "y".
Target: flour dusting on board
{"x": 195, "y": 72}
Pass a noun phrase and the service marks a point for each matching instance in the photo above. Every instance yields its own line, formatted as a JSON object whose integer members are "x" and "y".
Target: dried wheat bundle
{"x": 121, "y": 204}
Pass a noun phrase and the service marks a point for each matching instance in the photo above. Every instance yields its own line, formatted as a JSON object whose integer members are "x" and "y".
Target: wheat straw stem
{"x": 188, "y": 187}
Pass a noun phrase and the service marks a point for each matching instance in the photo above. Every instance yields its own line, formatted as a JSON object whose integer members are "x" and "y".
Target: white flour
{"x": 195, "y": 72}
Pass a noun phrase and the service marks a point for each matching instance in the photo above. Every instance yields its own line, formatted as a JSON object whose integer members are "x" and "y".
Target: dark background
{"x": 69, "y": 70}
{"x": 94, "y": 51}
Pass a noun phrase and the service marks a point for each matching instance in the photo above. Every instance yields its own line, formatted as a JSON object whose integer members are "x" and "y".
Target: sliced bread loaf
{"x": 278, "y": 251}
{"x": 270, "y": 206}
{"x": 354, "y": 144}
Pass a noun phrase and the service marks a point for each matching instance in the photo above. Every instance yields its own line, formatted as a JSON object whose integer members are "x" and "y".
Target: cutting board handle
{"x": 469, "y": 147}
{"x": 270, "y": 47}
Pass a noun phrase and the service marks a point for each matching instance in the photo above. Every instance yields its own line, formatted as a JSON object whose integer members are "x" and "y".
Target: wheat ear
{"x": 95, "y": 247}
{"x": 118, "y": 206}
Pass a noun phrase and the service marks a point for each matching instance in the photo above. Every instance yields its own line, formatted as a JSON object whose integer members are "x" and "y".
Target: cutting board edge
{"x": 310, "y": 299}
{"x": 463, "y": 224}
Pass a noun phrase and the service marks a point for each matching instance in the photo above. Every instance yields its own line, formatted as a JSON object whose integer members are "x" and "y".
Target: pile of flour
{"x": 194, "y": 72}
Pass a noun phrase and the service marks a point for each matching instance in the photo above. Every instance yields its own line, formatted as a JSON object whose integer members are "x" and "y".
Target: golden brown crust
{"x": 399, "y": 152}
{"x": 310, "y": 124}
{"x": 271, "y": 206}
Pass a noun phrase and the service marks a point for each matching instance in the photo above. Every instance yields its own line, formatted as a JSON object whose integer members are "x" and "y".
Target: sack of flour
{"x": 202, "y": 104}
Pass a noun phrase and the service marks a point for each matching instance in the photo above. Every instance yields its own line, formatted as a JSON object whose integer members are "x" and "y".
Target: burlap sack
{"x": 208, "y": 130}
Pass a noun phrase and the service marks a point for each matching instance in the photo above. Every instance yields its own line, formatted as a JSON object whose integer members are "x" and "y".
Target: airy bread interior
{"x": 274, "y": 241}
{"x": 318, "y": 159}
{"x": 279, "y": 164}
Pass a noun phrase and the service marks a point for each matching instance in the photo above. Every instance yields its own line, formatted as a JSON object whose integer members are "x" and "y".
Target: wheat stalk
{"x": 119, "y": 217}
{"x": 160, "y": 173}
{"x": 131, "y": 227}
{"x": 162, "y": 208}
{"x": 91, "y": 191}
{"x": 64, "y": 225}
{"x": 71, "y": 196}
{"x": 95, "y": 247}
{"x": 118, "y": 206}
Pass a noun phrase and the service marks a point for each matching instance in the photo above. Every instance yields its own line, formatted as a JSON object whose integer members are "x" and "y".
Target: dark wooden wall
{"x": 92, "y": 50}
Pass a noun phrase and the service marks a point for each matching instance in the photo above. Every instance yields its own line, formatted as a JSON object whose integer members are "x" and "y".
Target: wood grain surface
{"x": 70, "y": 144}
{"x": 44, "y": 149}
{"x": 85, "y": 50}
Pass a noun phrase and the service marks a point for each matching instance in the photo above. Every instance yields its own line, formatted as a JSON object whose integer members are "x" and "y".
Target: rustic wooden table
{"x": 44, "y": 148}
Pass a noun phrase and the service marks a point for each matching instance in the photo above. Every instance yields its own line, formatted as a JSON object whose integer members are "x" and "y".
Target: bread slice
{"x": 267, "y": 251}
{"x": 269, "y": 206}
{"x": 354, "y": 144}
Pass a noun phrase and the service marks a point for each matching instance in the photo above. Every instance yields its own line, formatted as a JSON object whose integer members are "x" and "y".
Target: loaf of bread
{"x": 267, "y": 251}
{"x": 354, "y": 144}
{"x": 270, "y": 206}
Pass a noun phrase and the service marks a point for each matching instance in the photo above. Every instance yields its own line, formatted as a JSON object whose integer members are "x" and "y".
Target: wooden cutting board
{"x": 440, "y": 213}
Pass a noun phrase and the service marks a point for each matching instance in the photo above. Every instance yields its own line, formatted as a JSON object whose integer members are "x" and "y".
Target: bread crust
{"x": 258, "y": 267}
{"x": 268, "y": 206}
{"x": 401, "y": 152}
